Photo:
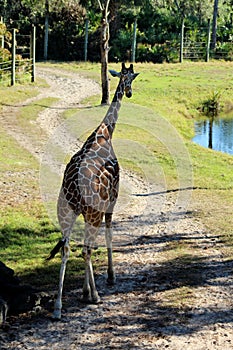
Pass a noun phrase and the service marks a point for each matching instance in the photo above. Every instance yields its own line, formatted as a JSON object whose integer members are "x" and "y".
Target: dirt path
{"x": 174, "y": 288}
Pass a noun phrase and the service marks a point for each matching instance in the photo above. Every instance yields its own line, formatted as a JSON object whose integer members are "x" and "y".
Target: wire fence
{"x": 5, "y": 72}
{"x": 197, "y": 45}
{"x": 198, "y": 51}
{"x": 20, "y": 65}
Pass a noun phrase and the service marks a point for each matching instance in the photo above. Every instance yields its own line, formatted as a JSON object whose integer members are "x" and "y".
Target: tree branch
{"x": 104, "y": 8}
{"x": 100, "y": 5}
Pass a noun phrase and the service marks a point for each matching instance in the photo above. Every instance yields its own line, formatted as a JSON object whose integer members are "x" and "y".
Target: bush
{"x": 121, "y": 46}
{"x": 224, "y": 50}
{"x": 5, "y": 55}
{"x": 212, "y": 106}
{"x": 167, "y": 52}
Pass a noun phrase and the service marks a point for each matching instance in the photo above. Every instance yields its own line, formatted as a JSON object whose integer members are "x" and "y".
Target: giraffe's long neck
{"x": 111, "y": 116}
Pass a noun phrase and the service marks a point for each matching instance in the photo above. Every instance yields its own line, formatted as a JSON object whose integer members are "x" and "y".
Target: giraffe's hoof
{"x": 56, "y": 316}
{"x": 96, "y": 299}
{"x": 111, "y": 280}
{"x": 91, "y": 300}
{"x": 85, "y": 300}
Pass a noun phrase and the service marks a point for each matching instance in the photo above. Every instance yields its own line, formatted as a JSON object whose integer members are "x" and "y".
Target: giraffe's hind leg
{"x": 58, "y": 303}
{"x": 66, "y": 217}
{"x": 90, "y": 294}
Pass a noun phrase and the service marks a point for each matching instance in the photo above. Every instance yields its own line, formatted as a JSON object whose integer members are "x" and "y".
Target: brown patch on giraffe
{"x": 92, "y": 168}
{"x": 92, "y": 216}
{"x": 102, "y": 182}
{"x": 102, "y": 133}
{"x": 87, "y": 172}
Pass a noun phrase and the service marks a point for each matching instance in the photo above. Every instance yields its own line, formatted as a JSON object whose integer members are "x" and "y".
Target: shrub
{"x": 5, "y": 55}
{"x": 211, "y": 106}
{"x": 121, "y": 46}
{"x": 224, "y": 50}
{"x": 159, "y": 53}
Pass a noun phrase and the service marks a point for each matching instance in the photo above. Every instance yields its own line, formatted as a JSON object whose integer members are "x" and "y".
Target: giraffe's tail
{"x": 56, "y": 249}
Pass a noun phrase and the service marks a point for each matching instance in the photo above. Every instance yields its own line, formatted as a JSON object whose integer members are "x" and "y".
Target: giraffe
{"x": 90, "y": 187}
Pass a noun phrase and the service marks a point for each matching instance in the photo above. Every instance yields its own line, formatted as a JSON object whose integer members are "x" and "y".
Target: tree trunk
{"x": 86, "y": 39}
{"x": 104, "y": 48}
{"x": 46, "y": 30}
{"x": 214, "y": 28}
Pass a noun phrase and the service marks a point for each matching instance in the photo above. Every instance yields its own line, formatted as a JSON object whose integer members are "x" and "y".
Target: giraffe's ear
{"x": 114, "y": 73}
{"x": 135, "y": 75}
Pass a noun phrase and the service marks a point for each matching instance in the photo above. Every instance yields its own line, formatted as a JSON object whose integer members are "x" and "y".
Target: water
{"x": 216, "y": 134}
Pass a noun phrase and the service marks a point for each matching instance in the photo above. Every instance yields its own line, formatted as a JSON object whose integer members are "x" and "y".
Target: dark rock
{"x": 14, "y": 297}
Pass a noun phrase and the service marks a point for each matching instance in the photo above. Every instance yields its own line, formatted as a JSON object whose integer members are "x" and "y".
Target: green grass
{"x": 159, "y": 116}
{"x": 28, "y": 114}
{"x": 11, "y": 154}
{"x": 27, "y": 237}
{"x": 18, "y": 93}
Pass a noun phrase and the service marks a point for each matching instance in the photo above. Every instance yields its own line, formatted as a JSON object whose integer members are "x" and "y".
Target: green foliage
{"x": 211, "y": 107}
{"x": 224, "y": 50}
{"x": 5, "y": 55}
{"x": 121, "y": 46}
{"x": 5, "y": 33}
{"x": 2, "y": 29}
{"x": 167, "y": 52}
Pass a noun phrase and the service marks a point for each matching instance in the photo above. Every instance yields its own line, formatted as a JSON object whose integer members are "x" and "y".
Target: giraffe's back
{"x": 91, "y": 178}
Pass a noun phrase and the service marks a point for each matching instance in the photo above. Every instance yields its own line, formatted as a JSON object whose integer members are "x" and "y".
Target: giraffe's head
{"x": 126, "y": 76}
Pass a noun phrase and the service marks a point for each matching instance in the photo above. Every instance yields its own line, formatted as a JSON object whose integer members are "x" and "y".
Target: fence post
{"x": 86, "y": 39}
{"x": 33, "y": 54}
{"x": 13, "y": 57}
{"x": 2, "y": 36}
{"x": 208, "y": 42}
{"x": 182, "y": 41}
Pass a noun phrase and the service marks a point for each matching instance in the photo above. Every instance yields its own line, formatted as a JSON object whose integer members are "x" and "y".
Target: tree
{"x": 104, "y": 43}
{"x": 214, "y": 28}
{"x": 46, "y": 30}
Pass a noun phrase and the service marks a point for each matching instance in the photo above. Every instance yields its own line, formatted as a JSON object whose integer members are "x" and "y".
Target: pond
{"x": 215, "y": 133}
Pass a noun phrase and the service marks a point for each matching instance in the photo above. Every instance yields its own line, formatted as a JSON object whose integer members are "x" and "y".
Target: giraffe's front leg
{"x": 108, "y": 237}
{"x": 90, "y": 294}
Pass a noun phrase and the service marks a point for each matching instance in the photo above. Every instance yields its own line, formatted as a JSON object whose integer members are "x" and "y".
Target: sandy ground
{"x": 158, "y": 302}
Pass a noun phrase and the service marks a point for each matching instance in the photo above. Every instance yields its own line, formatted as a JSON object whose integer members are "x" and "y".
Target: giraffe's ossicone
{"x": 90, "y": 187}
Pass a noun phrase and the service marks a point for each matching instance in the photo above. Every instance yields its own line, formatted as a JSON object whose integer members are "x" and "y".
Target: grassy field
{"x": 172, "y": 94}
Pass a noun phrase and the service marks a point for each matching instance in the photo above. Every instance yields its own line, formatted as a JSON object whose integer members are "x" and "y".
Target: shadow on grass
{"x": 25, "y": 250}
